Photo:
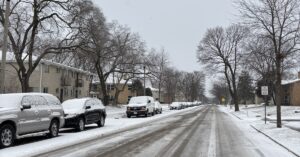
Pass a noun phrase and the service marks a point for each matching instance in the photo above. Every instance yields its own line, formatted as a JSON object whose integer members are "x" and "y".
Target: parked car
{"x": 176, "y": 106}
{"x": 157, "y": 107}
{"x": 26, "y": 113}
{"x": 80, "y": 112}
{"x": 141, "y": 105}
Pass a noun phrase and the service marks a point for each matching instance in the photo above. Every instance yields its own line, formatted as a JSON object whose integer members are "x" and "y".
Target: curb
{"x": 275, "y": 141}
{"x": 236, "y": 116}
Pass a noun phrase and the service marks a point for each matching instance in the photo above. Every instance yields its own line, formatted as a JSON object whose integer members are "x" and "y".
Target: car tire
{"x": 153, "y": 113}
{"x": 101, "y": 122}
{"x": 80, "y": 124}
{"x": 128, "y": 116}
{"x": 147, "y": 113}
{"x": 7, "y": 135}
{"x": 53, "y": 128}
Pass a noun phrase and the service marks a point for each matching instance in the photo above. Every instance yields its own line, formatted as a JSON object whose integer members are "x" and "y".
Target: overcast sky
{"x": 176, "y": 25}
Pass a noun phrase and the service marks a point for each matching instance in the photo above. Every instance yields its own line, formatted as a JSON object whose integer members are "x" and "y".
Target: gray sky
{"x": 176, "y": 25}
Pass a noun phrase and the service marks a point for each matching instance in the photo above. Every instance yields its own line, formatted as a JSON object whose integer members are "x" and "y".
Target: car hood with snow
{"x": 175, "y": 104}
{"x": 74, "y": 106}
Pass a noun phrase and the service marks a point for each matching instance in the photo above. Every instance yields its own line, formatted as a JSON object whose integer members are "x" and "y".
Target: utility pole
{"x": 4, "y": 48}
{"x": 144, "y": 80}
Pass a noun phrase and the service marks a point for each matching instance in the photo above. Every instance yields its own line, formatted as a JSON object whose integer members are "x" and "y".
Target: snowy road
{"x": 202, "y": 131}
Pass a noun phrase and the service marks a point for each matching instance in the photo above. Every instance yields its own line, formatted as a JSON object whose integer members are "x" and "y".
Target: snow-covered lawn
{"x": 287, "y": 136}
{"x": 115, "y": 122}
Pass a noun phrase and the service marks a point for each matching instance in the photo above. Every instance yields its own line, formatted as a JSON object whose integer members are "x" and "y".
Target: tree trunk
{"x": 104, "y": 92}
{"x": 235, "y": 95}
{"x": 278, "y": 93}
{"x": 25, "y": 84}
{"x": 116, "y": 102}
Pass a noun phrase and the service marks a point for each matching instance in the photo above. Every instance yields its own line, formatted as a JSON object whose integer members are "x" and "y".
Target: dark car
{"x": 79, "y": 112}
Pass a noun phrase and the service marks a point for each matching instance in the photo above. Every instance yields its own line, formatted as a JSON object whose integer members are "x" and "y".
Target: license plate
{"x": 134, "y": 112}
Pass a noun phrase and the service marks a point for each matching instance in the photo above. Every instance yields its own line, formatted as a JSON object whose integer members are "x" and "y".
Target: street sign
{"x": 264, "y": 90}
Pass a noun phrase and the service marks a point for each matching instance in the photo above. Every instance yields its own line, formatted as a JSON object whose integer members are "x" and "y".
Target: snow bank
{"x": 287, "y": 136}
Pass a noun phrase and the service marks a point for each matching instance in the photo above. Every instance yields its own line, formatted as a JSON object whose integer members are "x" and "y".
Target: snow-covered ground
{"x": 116, "y": 121}
{"x": 287, "y": 136}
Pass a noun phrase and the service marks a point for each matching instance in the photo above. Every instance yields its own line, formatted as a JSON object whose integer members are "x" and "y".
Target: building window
{"x": 57, "y": 90}
{"x": 45, "y": 90}
{"x": 129, "y": 87}
{"x": 46, "y": 69}
{"x": 66, "y": 92}
{"x": 79, "y": 92}
{"x": 57, "y": 70}
{"x": 111, "y": 98}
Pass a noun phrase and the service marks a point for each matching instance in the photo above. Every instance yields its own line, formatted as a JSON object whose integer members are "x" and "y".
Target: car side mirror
{"x": 88, "y": 107}
{"x": 149, "y": 101}
{"x": 25, "y": 107}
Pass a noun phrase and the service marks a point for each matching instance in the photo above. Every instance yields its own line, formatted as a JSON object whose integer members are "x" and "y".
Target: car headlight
{"x": 144, "y": 108}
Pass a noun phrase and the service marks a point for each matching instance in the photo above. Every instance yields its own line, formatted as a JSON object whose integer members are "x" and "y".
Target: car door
{"x": 44, "y": 113}
{"x": 95, "y": 110}
{"x": 89, "y": 111}
{"x": 29, "y": 118}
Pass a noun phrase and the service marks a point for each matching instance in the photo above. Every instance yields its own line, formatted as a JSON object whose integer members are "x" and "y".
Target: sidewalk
{"x": 285, "y": 136}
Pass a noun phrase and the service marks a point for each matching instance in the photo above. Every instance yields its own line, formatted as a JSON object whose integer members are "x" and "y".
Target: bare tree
{"x": 223, "y": 49}
{"x": 279, "y": 22}
{"x": 191, "y": 85}
{"x": 157, "y": 63}
{"x": 220, "y": 91}
{"x": 171, "y": 80}
{"x": 38, "y": 28}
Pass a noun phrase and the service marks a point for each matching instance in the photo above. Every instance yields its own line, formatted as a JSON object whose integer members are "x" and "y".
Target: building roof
{"x": 10, "y": 58}
{"x": 286, "y": 82}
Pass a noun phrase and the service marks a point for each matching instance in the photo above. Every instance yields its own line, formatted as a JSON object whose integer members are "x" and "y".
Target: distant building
{"x": 49, "y": 77}
{"x": 291, "y": 92}
{"x": 124, "y": 95}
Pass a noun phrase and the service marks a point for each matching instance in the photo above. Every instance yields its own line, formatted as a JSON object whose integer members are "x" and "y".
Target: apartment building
{"x": 60, "y": 80}
{"x": 124, "y": 95}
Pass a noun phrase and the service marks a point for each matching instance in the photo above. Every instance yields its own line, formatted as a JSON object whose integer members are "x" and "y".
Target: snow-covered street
{"x": 206, "y": 130}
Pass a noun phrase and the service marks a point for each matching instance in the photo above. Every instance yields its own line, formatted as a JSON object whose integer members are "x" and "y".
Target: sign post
{"x": 265, "y": 93}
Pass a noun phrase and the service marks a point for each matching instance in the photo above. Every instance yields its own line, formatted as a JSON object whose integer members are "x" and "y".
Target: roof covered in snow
{"x": 10, "y": 57}
{"x": 286, "y": 82}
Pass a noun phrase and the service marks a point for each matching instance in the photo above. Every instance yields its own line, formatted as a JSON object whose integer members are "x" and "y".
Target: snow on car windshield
{"x": 74, "y": 104}
{"x": 9, "y": 101}
{"x": 138, "y": 100}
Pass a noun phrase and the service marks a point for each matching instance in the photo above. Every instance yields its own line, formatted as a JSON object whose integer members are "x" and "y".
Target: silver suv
{"x": 26, "y": 113}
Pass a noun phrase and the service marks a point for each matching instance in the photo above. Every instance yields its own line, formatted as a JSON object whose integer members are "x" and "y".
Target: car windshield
{"x": 138, "y": 100}
{"x": 9, "y": 101}
{"x": 74, "y": 104}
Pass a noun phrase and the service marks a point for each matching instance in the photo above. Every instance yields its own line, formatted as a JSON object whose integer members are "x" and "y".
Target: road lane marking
{"x": 212, "y": 139}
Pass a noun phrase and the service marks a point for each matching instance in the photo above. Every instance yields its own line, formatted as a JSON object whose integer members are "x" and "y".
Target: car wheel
{"x": 101, "y": 121}
{"x": 147, "y": 113}
{"x": 128, "y": 116}
{"x": 153, "y": 113}
{"x": 54, "y": 128}
{"x": 7, "y": 133}
{"x": 80, "y": 124}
